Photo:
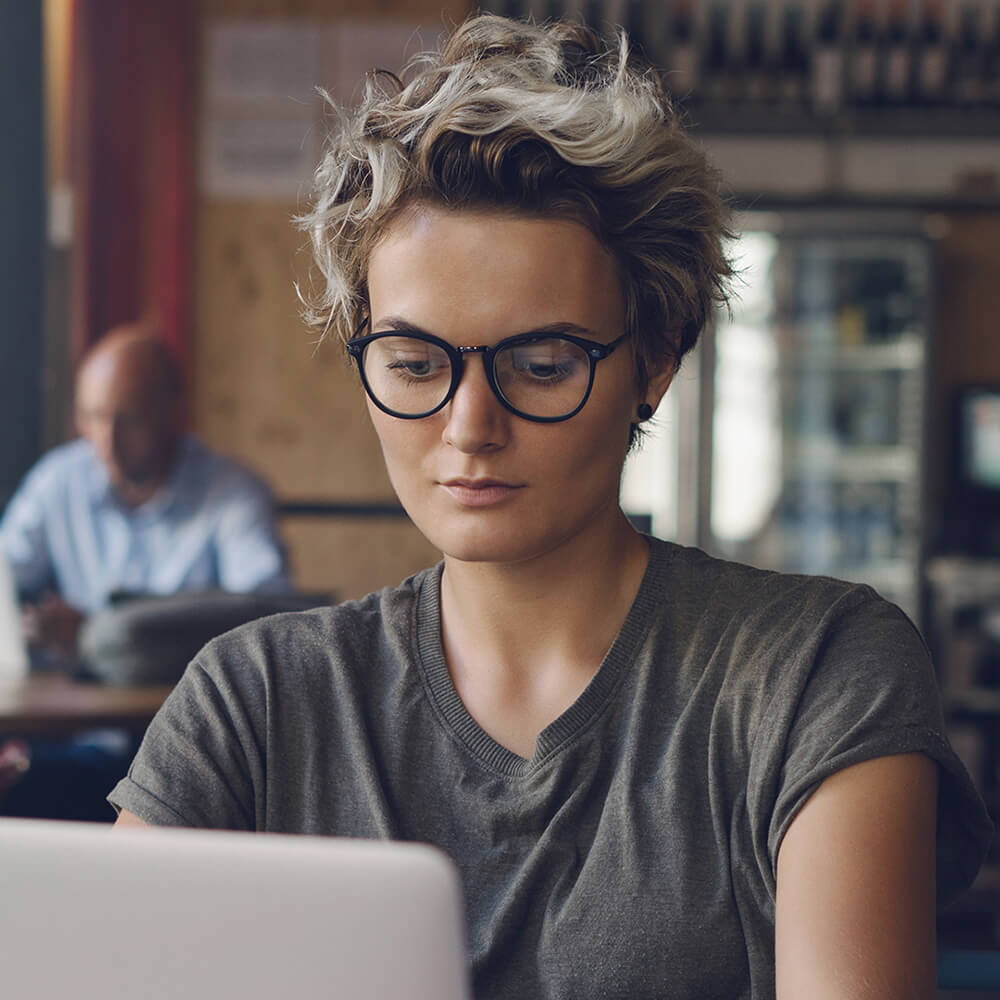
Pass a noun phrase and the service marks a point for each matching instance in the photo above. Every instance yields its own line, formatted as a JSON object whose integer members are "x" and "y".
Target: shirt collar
{"x": 99, "y": 488}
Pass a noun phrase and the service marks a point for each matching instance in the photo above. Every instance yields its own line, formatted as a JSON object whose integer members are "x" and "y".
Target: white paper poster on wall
{"x": 258, "y": 158}
{"x": 263, "y": 119}
{"x": 254, "y": 61}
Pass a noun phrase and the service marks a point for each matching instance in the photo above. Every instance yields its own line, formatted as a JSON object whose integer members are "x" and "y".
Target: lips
{"x": 479, "y": 492}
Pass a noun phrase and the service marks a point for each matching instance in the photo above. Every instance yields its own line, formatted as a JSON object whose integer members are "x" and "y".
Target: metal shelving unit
{"x": 818, "y": 405}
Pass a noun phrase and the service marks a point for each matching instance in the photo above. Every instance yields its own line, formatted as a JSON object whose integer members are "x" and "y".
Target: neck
{"x": 135, "y": 494}
{"x": 522, "y": 641}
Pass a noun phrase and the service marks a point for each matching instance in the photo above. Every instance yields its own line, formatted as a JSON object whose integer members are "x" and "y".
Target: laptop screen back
{"x": 90, "y": 912}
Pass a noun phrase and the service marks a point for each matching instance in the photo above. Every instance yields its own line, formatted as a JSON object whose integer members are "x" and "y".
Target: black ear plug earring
{"x": 644, "y": 411}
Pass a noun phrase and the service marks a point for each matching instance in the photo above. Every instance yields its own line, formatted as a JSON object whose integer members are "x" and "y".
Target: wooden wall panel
{"x": 967, "y": 347}
{"x": 351, "y": 557}
{"x": 969, "y": 297}
{"x": 261, "y": 387}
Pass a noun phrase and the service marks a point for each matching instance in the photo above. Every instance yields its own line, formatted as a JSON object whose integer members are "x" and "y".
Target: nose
{"x": 476, "y": 421}
{"x": 117, "y": 438}
{"x": 101, "y": 433}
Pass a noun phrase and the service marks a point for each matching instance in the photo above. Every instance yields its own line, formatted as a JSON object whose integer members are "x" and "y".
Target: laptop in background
{"x": 13, "y": 649}
{"x": 90, "y": 912}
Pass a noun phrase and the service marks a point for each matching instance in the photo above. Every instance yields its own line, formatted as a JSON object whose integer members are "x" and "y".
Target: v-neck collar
{"x": 571, "y": 723}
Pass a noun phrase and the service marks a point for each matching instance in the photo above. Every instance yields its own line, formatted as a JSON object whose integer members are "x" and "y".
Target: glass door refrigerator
{"x": 795, "y": 439}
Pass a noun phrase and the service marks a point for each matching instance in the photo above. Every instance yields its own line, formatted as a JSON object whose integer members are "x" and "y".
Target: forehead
{"x": 494, "y": 268}
{"x": 111, "y": 383}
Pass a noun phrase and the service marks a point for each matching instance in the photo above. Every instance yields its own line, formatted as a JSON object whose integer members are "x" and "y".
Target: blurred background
{"x": 842, "y": 418}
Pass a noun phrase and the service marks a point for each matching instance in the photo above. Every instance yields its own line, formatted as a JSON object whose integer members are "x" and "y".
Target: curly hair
{"x": 543, "y": 120}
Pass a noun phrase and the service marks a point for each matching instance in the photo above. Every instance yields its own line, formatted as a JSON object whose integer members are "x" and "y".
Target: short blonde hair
{"x": 537, "y": 119}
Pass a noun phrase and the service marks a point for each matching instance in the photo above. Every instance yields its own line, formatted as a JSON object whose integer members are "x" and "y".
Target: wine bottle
{"x": 967, "y": 80}
{"x": 771, "y": 79}
{"x": 757, "y": 73}
{"x": 682, "y": 76}
{"x": 794, "y": 64}
{"x": 896, "y": 61}
{"x": 930, "y": 72}
{"x": 716, "y": 79}
{"x": 827, "y": 69}
{"x": 991, "y": 60}
{"x": 863, "y": 66}
{"x": 737, "y": 55}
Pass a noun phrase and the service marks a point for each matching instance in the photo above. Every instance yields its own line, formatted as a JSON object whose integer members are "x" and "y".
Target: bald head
{"x": 139, "y": 356}
{"x": 128, "y": 406}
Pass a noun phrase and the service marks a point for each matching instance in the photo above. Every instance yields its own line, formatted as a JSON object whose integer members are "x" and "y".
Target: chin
{"x": 472, "y": 542}
{"x": 500, "y": 545}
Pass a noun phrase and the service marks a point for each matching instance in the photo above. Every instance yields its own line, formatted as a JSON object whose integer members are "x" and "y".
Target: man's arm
{"x": 48, "y": 621}
{"x": 251, "y": 556}
{"x": 25, "y": 539}
{"x": 855, "y": 910}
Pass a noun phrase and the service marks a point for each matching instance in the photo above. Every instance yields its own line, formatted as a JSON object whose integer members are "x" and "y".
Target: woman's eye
{"x": 417, "y": 368}
{"x": 545, "y": 362}
{"x": 545, "y": 368}
{"x": 414, "y": 368}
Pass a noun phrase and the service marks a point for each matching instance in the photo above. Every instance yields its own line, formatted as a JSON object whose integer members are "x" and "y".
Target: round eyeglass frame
{"x": 456, "y": 355}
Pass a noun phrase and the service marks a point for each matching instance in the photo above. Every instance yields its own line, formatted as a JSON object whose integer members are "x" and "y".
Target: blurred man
{"x": 133, "y": 507}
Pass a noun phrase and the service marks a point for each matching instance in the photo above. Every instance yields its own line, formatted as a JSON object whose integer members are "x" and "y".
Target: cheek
{"x": 593, "y": 454}
{"x": 403, "y": 443}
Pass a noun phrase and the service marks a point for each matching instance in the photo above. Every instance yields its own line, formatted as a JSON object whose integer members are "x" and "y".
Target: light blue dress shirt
{"x": 212, "y": 526}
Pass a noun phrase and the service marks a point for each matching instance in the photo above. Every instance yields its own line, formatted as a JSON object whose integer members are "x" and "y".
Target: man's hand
{"x": 15, "y": 759}
{"x": 52, "y": 624}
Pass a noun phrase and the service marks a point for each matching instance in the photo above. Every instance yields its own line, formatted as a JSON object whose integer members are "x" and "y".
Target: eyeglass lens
{"x": 547, "y": 377}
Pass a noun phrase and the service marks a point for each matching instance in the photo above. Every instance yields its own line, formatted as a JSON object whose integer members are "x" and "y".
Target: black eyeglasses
{"x": 538, "y": 376}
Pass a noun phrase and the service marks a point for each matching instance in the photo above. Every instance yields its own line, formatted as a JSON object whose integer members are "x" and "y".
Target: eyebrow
{"x": 401, "y": 325}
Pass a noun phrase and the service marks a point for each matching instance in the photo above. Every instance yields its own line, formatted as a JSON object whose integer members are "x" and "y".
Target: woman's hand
{"x": 125, "y": 818}
{"x": 855, "y": 911}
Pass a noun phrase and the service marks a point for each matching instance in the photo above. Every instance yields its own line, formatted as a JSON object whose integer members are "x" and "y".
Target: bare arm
{"x": 125, "y": 818}
{"x": 855, "y": 886}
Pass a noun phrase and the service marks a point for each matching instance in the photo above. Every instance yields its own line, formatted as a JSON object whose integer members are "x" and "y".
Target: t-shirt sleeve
{"x": 868, "y": 690}
{"x": 201, "y": 762}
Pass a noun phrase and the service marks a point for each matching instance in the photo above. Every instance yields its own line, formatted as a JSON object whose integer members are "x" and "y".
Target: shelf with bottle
{"x": 829, "y": 411}
{"x": 853, "y": 299}
{"x": 851, "y": 529}
{"x": 859, "y": 463}
{"x": 904, "y": 353}
{"x": 865, "y": 66}
{"x": 890, "y": 577}
{"x": 833, "y": 64}
{"x": 759, "y": 121}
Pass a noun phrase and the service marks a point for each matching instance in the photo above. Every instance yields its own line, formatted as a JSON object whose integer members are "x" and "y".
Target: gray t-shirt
{"x": 634, "y": 855}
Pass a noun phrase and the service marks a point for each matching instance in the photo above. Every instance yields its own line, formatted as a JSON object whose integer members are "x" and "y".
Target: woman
{"x": 661, "y": 775}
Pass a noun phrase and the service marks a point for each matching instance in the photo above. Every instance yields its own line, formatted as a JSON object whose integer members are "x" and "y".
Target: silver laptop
{"x": 91, "y": 912}
{"x": 13, "y": 649}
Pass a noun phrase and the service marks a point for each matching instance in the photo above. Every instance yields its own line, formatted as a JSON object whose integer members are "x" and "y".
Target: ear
{"x": 658, "y": 382}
